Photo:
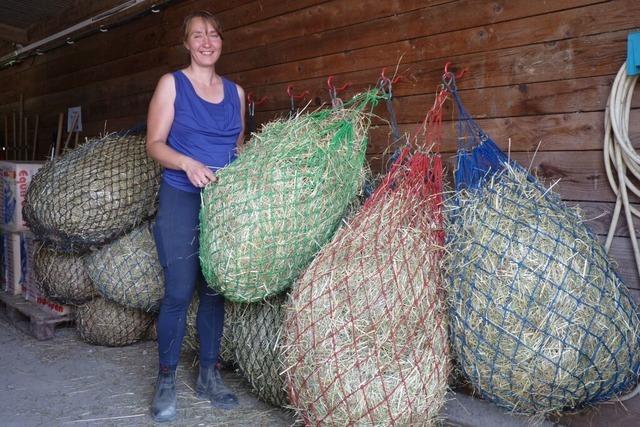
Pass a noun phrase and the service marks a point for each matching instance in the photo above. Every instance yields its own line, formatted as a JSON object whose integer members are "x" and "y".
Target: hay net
{"x": 61, "y": 276}
{"x": 127, "y": 270}
{"x": 282, "y": 199}
{"x": 540, "y": 322}
{"x": 94, "y": 193}
{"x": 257, "y": 333}
{"x": 103, "y": 322}
{"x": 365, "y": 333}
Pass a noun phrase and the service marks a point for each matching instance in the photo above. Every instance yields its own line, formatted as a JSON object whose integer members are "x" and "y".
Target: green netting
{"x": 281, "y": 200}
{"x": 127, "y": 270}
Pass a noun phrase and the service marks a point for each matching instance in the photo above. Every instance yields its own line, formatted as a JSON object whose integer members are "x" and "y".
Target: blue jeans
{"x": 176, "y": 232}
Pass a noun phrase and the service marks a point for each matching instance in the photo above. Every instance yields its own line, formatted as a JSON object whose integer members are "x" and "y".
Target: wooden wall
{"x": 539, "y": 73}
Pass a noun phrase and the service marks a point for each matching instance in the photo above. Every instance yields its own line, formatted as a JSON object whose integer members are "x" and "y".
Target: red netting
{"x": 366, "y": 330}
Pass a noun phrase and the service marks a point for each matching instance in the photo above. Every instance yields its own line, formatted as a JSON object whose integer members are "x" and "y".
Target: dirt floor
{"x": 65, "y": 382}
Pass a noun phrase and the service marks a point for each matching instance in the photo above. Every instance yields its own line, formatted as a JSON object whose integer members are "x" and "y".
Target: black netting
{"x": 103, "y": 322}
{"x": 257, "y": 331}
{"x": 127, "y": 270}
{"x": 61, "y": 276}
{"x": 94, "y": 193}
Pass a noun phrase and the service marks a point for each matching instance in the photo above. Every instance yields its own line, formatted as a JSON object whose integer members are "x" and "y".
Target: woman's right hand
{"x": 199, "y": 175}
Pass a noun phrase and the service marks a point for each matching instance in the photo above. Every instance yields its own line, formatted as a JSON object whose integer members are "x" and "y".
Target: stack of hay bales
{"x": 540, "y": 322}
{"x": 82, "y": 201}
{"x": 281, "y": 200}
{"x": 366, "y": 330}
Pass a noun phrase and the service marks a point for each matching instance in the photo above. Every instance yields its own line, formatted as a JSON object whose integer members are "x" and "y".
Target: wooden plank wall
{"x": 539, "y": 73}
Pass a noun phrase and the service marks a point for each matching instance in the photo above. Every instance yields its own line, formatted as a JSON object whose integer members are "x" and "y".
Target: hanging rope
{"x": 620, "y": 159}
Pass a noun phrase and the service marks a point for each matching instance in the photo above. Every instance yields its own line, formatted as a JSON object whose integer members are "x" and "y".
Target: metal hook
{"x": 335, "y": 89}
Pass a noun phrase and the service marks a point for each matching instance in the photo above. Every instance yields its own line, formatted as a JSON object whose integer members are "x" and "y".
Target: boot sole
{"x": 227, "y": 406}
{"x": 163, "y": 419}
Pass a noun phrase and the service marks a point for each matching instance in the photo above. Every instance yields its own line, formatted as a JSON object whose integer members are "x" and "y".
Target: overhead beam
{"x": 13, "y": 34}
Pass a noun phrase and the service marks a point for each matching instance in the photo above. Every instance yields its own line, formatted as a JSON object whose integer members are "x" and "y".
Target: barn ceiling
{"x": 17, "y": 17}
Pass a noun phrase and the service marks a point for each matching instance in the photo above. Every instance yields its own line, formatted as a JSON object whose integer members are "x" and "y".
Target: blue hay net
{"x": 545, "y": 230}
{"x": 478, "y": 157}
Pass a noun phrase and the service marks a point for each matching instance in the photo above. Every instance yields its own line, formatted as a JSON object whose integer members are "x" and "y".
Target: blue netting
{"x": 540, "y": 321}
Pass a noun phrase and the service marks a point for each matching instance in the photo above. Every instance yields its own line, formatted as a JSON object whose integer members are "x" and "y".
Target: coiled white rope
{"x": 622, "y": 163}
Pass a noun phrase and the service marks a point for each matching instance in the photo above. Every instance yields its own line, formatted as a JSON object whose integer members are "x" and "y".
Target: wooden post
{"x": 20, "y": 116}
{"x": 75, "y": 143}
{"x": 6, "y": 137}
{"x": 73, "y": 126}
{"x": 25, "y": 149}
{"x": 59, "y": 135}
{"x": 35, "y": 137}
{"x": 15, "y": 136}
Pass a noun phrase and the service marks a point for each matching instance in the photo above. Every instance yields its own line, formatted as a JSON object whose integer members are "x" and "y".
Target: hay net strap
{"x": 478, "y": 156}
{"x": 478, "y": 160}
{"x": 386, "y": 88}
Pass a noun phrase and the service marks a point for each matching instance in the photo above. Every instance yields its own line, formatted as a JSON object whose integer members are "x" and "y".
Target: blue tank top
{"x": 203, "y": 130}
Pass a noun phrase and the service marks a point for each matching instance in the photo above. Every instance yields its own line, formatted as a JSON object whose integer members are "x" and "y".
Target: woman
{"x": 195, "y": 125}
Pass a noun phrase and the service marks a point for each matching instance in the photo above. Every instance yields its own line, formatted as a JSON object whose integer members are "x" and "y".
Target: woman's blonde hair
{"x": 207, "y": 16}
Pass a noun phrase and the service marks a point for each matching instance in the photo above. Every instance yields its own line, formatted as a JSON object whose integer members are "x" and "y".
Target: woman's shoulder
{"x": 231, "y": 84}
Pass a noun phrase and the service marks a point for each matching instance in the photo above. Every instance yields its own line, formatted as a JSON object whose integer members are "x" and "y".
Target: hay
{"x": 540, "y": 322}
{"x": 127, "y": 270}
{"x": 365, "y": 331}
{"x": 191, "y": 341}
{"x": 257, "y": 332}
{"x": 94, "y": 193}
{"x": 62, "y": 276}
{"x": 103, "y": 322}
{"x": 281, "y": 200}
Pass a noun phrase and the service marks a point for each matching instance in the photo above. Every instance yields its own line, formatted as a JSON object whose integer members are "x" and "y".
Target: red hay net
{"x": 365, "y": 335}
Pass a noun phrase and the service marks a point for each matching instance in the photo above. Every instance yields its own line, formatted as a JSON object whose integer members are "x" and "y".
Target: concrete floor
{"x": 65, "y": 382}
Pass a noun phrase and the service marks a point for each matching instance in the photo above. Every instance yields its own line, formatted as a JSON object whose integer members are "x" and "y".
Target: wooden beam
{"x": 13, "y": 34}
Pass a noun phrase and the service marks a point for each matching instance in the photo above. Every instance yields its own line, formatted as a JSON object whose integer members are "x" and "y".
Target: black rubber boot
{"x": 210, "y": 386}
{"x": 163, "y": 407}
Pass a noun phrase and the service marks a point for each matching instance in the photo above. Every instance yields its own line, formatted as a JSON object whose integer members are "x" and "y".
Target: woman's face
{"x": 203, "y": 42}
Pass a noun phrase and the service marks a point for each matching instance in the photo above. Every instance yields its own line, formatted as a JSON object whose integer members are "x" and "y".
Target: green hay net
{"x": 127, "y": 270}
{"x": 93, "y": 194}
{"x": 281, "y": 200}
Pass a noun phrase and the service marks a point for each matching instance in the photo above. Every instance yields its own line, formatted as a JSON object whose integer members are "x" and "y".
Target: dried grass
{"x": 540, "y": 322}
{"x": 94, "y": 193}
{"x": 127, "y": 271}
{"x": 280, "y": 201}
{"x": 103, "y": 322}
{"x": 365, "y": 330}
{"x": 61, "y": 276}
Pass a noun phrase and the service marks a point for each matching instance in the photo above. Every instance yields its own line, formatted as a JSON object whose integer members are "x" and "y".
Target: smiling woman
{"x": 194, "y": 126}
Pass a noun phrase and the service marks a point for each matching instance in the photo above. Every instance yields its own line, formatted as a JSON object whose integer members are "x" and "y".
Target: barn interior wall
{"x": 538, "y": 75}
